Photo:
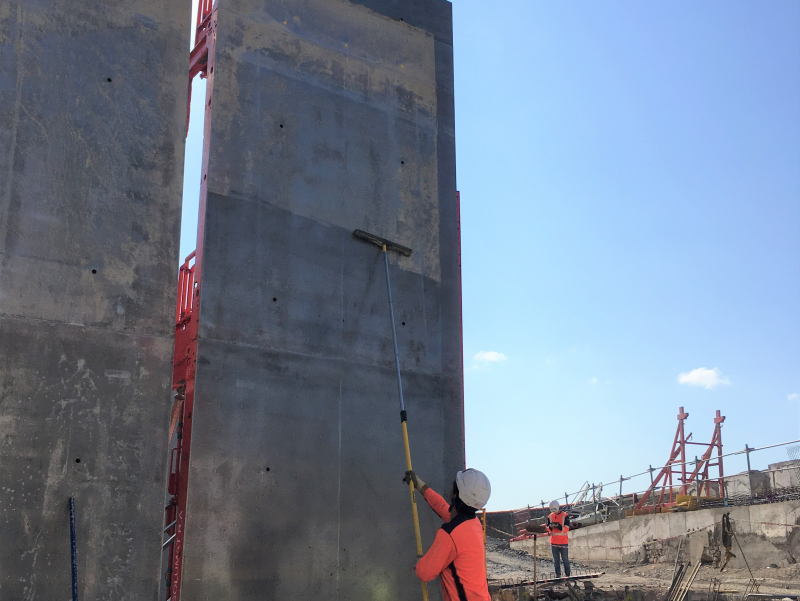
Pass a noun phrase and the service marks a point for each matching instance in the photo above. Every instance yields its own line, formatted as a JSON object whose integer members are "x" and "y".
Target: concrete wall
{"x": 327, "y": 116}
{"x": 739, "y": 485}
{"x": 92, "y": 118}
{"x": 766, "y": 533}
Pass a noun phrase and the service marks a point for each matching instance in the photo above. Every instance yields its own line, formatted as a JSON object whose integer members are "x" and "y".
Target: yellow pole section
{"x": 414, "y": 506}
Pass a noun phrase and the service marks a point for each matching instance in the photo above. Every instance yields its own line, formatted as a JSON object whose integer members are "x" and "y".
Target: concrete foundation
{"x": 767, "y": 533}
{"x": 92, "y": 118}
{"x": 327, "y": 116}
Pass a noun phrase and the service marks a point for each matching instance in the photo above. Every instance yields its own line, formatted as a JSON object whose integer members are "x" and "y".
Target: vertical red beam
{"x": 682, "y": 415}
{"x": 461, "y": 326}
{"x": 718, "y": 421}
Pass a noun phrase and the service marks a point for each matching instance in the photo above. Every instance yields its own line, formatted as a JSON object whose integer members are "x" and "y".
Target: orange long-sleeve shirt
{"x": 457, "y": 555}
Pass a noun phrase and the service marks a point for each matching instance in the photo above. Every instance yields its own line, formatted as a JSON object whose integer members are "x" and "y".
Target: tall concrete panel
{"x": 327, "y": 116}
{"x": 92, "y": 118}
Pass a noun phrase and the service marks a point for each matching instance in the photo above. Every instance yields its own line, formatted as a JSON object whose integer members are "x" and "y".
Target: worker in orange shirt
{"x": 558, "y": 526}
{"x": 457, "y": 554}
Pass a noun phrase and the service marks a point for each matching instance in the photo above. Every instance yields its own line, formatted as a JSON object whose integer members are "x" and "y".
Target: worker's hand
{"x": 411, "y": 476}
{"x": 555, "y": 526}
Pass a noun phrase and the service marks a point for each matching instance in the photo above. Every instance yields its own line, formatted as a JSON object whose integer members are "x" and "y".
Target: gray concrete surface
{"x": 92, "y": 117}
{"x": 327, "y": 116}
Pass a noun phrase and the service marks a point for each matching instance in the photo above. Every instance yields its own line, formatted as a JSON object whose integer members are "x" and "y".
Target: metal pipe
{"x": 749, "y": 479}
{"x": 699, "y": 479}
{"x": 535, "y": 561}
{"x": 677, "y": 556}
{"x": 74, "y": 549}
{"x": 169, "y": 540}
{"x": 171, "y": 525}
{"x": 394, "y": 331}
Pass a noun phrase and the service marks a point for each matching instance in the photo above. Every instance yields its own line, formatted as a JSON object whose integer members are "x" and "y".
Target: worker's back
{"x": 465, "y": 578}
{"x": 458, "y": 553}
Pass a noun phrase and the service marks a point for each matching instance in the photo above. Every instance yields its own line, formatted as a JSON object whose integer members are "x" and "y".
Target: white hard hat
{"x": 554, "y": 506}
{"x": 473, "y": 488}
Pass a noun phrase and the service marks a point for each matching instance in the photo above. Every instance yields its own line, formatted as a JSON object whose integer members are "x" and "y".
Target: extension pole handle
{"x": 406, "y": 446}
{"x": 414, "y": 512}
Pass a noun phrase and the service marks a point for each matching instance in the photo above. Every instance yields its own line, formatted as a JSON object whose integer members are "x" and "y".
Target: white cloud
{"x": 483, "y": 359}
{"x": 792, "y": 397}
{"x": 702, "y": 376}
{"x": 489, "y": 357}
{"x": 593, "y": 381}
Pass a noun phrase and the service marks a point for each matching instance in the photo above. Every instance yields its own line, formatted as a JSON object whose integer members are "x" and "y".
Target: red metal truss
{"x": 705, "y": 461}
{"x": 676, "y": 465}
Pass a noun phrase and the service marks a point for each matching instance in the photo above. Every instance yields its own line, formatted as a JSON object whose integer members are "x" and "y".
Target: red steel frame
{"x": 201, "y": 61}
{"x": 183, "y": 372}
{"x": 203, "y": 39}
{"x": 461, "y": 331}
{"x": 677, "y": 459}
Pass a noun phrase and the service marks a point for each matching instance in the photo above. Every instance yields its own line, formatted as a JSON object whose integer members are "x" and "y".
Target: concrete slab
{"x": 92, "y": 118}
{"x": 327, "y": 117}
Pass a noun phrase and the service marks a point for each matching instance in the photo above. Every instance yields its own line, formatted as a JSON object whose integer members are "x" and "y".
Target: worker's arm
{"x": 439, "y": 556}
{"x": 434, "y": 499}
{"x": 566, "y": 523}
{"x": 437, "y": 503}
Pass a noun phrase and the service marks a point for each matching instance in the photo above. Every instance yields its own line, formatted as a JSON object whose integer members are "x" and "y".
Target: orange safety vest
{"x": 559, "y": 537}
{"x": 457, "y": 555}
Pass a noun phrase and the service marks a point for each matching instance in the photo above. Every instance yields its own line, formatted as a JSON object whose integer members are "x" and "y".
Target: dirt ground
{"x": 506, "y": 564}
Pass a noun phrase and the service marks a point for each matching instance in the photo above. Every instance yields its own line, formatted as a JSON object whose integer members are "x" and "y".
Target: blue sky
{"x": 630, "y": 185}
{"x": 630, "y": 188}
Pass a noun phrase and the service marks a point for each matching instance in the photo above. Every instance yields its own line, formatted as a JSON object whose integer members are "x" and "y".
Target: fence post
{"x": 698, "y": 480}
{"x": 594, "y": 502}
{"x": 749, "y": 478}
{"x": 74, "y": 549}
{"x": 620, "y": 487}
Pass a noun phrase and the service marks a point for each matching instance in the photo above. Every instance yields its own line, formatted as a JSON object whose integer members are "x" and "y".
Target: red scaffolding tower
{"x": 677, "y": 465}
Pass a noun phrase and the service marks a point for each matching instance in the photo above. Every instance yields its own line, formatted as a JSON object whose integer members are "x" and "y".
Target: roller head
{"x": 381, "y": 242}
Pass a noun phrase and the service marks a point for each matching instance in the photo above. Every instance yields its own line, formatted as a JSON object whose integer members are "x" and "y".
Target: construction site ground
{"x": 506, "y": 564}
